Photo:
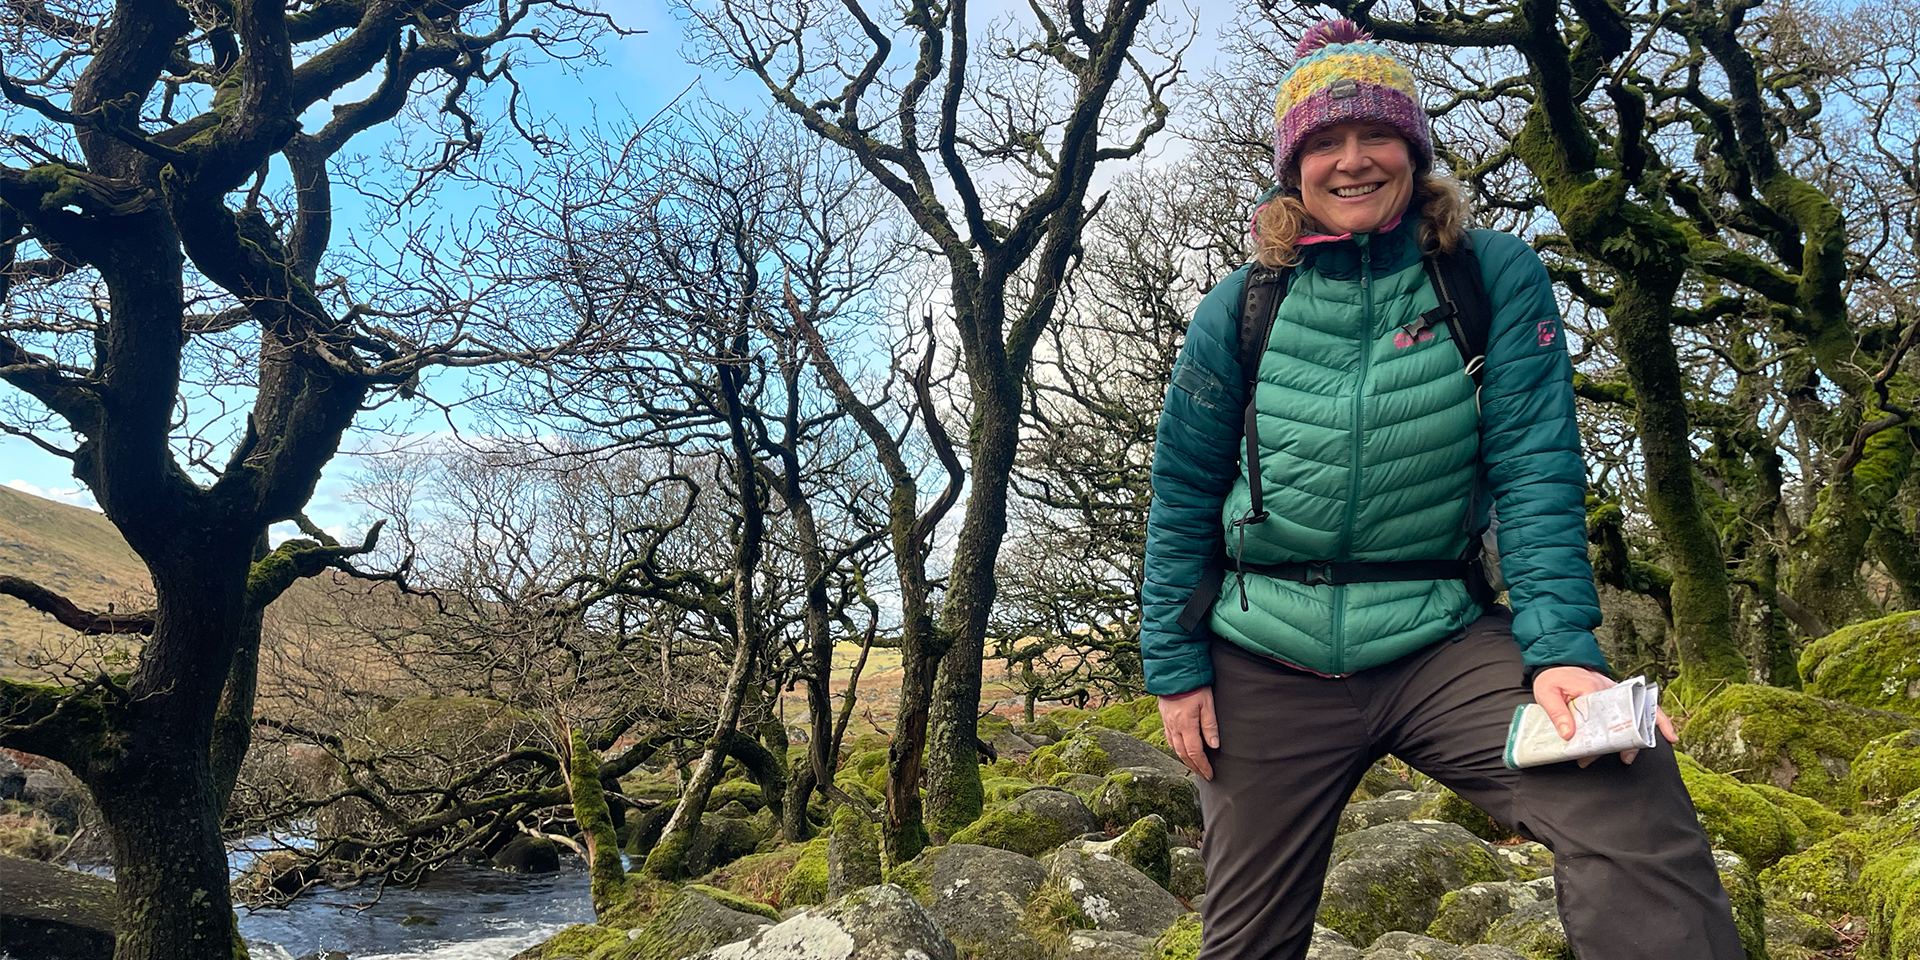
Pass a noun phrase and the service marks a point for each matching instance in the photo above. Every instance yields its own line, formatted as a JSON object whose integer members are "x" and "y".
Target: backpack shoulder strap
{"x": 1259, "y": 305}
{"x": 1464, "y": 304}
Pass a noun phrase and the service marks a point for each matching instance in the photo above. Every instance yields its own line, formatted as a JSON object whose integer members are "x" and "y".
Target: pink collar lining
{"x": 1326, "y": 238}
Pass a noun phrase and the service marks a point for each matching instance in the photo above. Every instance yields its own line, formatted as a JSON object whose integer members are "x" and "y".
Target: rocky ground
{"x": 1088, "y": 849}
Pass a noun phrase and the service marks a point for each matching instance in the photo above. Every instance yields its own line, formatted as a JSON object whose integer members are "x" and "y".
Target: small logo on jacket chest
{"x": 1406, "y": 338}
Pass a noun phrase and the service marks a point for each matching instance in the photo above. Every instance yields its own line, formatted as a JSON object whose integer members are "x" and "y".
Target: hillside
{"x": 73, "y": 551}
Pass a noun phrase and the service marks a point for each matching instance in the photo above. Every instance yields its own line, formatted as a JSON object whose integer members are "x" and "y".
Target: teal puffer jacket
{"x": 1370, "y": 447}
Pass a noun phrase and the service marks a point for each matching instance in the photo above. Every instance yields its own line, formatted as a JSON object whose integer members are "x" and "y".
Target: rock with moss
{"x": 1450, "y": 807}
{"x": 1031, "y": 823}
{"x": 1823, "y": 879}
{"x": 525, "y": 854}
{"x": 1525, "y": 861}
{"x": 643, "y": 831}
{"x": 1180, "y": 941}
{"x": 1735, "y": 817}
{"x": 582, "y": 941}
{"x": 689, "y": 922}
{"x": 1377, "y": 782}
{"x": 1371, "y": 813}
{"x": 1328, "y": 945}
{"x": 1104, "y": 945}
{"x": 1043, "y": 728}
{"x": 1189, "y": 869}
{"x": 1136, "y": 792}
{"x": 1886, "y": 770}
{"x": 1873, "y": 664}
{"x": 881, "y": 922}
{"x": 1794, "y": 741}
{"x": 1002, "y": 789}
{"x": 1113, "y": 894}
{"x": 1401, "y": 945}
{"x": 806, "y": 883}
{"x": 1466, "y": 914}
{"x": 1790, "y": 928}
{"x": 52, "y": 913}
{"x": 1890, "y": 889}
{"x": 1533, "y": 929}
{"x": 1130, "y": 752}
{"x": 1811, "y": 821}
{"x": 1393, "y": 876}
{"x": 1082, "y": 785}
{"x": 1146, "y": 846}
{"x": 1080, "y": 753}
{"x": 761, "y": 877}
{"x": 1749, "y": 907}
{"x": 978, "y": 895}
{"x": 743, "y": 792}
{"x": 853, "y": 852}
{"x": 720, "y": 841}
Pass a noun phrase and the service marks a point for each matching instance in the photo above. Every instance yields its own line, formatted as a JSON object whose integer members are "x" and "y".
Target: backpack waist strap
{"x": 1329, "y": 572}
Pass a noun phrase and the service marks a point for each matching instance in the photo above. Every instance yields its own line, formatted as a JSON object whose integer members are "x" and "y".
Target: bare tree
{"x": 148, "y": 247}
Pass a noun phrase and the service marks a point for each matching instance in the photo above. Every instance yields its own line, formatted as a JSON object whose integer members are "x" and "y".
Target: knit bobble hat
{"x": 1340, "y": 75}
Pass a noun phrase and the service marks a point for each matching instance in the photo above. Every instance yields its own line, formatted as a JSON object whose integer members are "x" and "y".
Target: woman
{"x": 1375, "y": 445}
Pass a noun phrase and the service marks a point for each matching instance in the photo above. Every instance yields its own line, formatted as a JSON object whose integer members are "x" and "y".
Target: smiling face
{"x": 1355, "y": 177}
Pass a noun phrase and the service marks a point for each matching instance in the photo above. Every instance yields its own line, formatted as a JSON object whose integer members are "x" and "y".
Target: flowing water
{"x": 463, "y": 912}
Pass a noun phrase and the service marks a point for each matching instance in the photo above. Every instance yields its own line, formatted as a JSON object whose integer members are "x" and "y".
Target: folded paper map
{"x": 1618, "y": 718}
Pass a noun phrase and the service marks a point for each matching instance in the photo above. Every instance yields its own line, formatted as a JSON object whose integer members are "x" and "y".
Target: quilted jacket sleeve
{"x": 1195, "y": 460}
{"x": 1530, "y": 445}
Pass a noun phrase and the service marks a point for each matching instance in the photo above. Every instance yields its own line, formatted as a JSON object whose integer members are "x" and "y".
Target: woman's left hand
{"x": 1554, "y": 687}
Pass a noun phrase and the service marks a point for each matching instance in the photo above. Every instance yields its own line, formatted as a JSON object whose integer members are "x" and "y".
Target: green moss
{"x": 1891, "y": 889}
{"x": 1450, "y": 807}
{"x": 1873, "y": 664}
{"x": 1749, "y": 908}
{"x": 761, "y": 876}
{"x": 1079, "y": 754}
{"x": 1002, "y": 789}
{"x": 1128, "y": 716}
{"x": 1147, "y": 847}
{"x": 1180, "y": 942}
{"x": 1735, "y": 817}
{"x": 734, "y": 901}
{"x": 1887, "y": 769}
{"x": 1823, "y": 879}
{"x": 596, "y": 821}
{"x": 806, "y": 883}
{"x": 1014, "y": 830}
{"x": 1811, "y": 821}
{"x": 1069, "y": 717}
{"x": 581, "y": 940}
{"x": 1046, "y": 727}
{"x": 1794, "y": 741}
{"x": 744, "y": 792}
{"x": 915, "y": 876}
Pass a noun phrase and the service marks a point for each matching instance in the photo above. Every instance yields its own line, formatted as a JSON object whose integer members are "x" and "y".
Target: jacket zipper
{"x": 1353, "y": 464}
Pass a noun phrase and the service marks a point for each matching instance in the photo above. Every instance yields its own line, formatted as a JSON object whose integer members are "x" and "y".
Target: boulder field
{"x": 1088, "y": 848}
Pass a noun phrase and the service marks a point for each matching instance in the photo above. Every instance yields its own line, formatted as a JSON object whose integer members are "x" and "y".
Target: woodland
{"x": 742, "y": 396}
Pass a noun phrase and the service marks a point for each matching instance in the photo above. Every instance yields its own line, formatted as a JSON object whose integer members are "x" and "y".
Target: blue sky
{"x": 643, "y": 74}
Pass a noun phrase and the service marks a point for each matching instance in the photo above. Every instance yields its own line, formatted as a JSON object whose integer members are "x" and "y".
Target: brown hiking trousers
{"x": 1633, "y": 872}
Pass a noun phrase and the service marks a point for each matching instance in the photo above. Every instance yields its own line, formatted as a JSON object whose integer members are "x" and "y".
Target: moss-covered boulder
{"x": 1886, "y": 770}
{"x": 1180, "y": 941}
{"x": 806, "y": 882}
{"x": 1873, "y": 664}
{"x": 720, "y": 841}
{"x": 1392, "y": 877}
{"x": 1002, "y": 789}
{"x": 1031, "y": 823}
{"x": 582, "y": 941}
{"x": 1811, "y": 821}
{"x": 1533, "y": 929}
{"x": 1823, "y": 879}
{"x": 1396, "y": 808}
{"x": 1128, "y": 751}
{"x": 1890, "y": 887}
{"x": 761, "y": 877}
{"x": 1467, "y": 914}
{"x": 1377, "y": 782}
{"x": 1080, "y": 753}
{"x": 1525, "y": 861}
{"x": 1189, "y": 873}
{"x": 1146, "y": 846}
{"x": 1749, "y": 908}
{"x": 978, "y": 895}
{"x": 692, "y": 921}
{"x": 1735, "y": 817}
{"x": 1130, "y": 715}
{"x": 881, "y": 922}
{"x": 1450, "y": 807}
{"x": 1789, "y": 931}
{"x": 1112, "y": 894}
{"x": 1082, "y": 785}
{"x": 1137, "y": 792}
{"x": 1799, "y": 743}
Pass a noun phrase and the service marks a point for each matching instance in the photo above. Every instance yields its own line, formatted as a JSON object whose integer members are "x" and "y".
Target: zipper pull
{"x": 1366, "y": 266}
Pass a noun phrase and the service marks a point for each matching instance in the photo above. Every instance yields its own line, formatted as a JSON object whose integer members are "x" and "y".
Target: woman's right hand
{"x": 1191, "y": 728}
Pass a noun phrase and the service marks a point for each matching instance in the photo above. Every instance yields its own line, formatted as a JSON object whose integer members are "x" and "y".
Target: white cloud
{"x": 71, "y": 496}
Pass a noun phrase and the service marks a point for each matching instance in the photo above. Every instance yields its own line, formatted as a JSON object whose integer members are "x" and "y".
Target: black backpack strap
{"x": 1464, "y": 306}
{"x": 1259, "y": 305}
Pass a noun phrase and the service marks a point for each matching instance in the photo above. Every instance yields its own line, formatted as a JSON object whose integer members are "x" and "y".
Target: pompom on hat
{"x": 1340, "y": 75}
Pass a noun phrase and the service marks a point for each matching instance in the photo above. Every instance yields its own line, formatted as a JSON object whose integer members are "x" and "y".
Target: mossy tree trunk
{"x": 609, "y": 874}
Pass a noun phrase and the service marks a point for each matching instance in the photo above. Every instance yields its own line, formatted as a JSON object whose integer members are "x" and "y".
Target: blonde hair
{"x": 1440, "y": 200}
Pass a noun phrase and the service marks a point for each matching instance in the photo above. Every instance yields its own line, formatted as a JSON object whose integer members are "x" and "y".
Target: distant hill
{"x": 67, "y": 549}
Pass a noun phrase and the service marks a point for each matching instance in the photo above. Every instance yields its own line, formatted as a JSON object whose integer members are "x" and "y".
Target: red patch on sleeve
{"x": 1548, "y": 332}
